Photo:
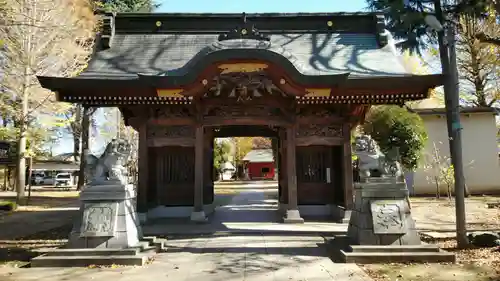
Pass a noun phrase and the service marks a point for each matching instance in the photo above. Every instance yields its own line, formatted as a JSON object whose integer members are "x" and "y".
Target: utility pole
{"x": 447, "y": 53}
{"x": 118, "y": 125}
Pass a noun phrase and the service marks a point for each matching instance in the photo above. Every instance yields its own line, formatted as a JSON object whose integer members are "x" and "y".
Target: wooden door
{"x": 172, "y": 175}
{"x": 315, "y": 183}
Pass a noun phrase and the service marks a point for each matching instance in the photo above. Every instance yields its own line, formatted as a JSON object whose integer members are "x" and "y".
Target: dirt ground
{"x": 473, "y": 264}
{"x": 18, "y": 252}
{"x": 44, "y": 222}
{"x": 431, "y": 214}
{"x": 41, "y": 199}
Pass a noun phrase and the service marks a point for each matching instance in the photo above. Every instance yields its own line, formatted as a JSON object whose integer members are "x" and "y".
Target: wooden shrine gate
{"x": 243, "y": 70}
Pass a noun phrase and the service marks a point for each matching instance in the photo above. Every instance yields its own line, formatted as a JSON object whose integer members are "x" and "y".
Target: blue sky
{"x": 260, "y": 6}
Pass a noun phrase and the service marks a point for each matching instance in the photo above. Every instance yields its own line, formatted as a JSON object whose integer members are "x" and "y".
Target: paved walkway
{"x": 248, "y": 212}
{"x": 238, "y": 258}
{"x": 285, "y": 253}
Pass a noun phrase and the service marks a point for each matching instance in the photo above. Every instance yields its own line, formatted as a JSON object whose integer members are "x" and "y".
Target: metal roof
{"x": 316, "y": 43}
{"x": 259, "y": 156}
{"x": 311, "y": 54}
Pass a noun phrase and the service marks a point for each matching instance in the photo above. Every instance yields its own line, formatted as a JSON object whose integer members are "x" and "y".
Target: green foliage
{"x": 7, "y": 206}
{"x": 134, "y": 6}
{"x": 36, "y": 138}
{"x": 242, "y": 146}
{"x": 221, "y": 153}
{"x": 395, "y": 127}
{"x": 261, "y": 143}
{"x": 354, "y": 132}
{"x": 407, "y": 21}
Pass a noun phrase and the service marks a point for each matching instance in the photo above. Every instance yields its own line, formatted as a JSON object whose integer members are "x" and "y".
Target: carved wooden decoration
{"x": 242, "y": 67}
{"x": 245, "y": 30}
{"x": 243, "y": 86}
{"x": 170, "y": 93}
{"x": 314, "y": 130}
{"x": 171, "y": 112}
{"x": 319, "y": 112}
{"x": 242, "y": 111}
{"x": 313, "y": 92}
{"x": 171, "y": 132}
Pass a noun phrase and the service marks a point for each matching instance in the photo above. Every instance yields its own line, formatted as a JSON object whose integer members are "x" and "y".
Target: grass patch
{"x": 7, "y": 205}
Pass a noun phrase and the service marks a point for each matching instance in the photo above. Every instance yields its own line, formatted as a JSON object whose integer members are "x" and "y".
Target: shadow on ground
{"x": 20, "y": 250}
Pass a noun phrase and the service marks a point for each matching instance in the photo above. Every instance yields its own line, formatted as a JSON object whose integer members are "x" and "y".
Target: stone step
{"x": 89, "y": 252}
{"x": 395, "y": 257}
{"x": 393, "y": 249}
{"x": 83, "y": 261}
{"x": 150, "y": 239}
{"x": 145, "y": 247}
{"x": 160, "y": 244}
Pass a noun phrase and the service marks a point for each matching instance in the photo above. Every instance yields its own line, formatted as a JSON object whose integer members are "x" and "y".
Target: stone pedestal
{"x": 199, "y": 216}
{"x": 107, "y": 218}
{"x": 382, "y": 214}
{"x": 293, "y": 216}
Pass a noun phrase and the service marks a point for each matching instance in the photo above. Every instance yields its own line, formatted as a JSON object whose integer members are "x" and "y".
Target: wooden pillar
{"x": 143, "y": 180}
{"x": 283, "y": 169}
{"x": 292, "y": 213}
{"x": 198, "y": 213}
{"x": 347, "y": 167}
{"x": 276, "y": 157}
{"x": 208, "y": 164}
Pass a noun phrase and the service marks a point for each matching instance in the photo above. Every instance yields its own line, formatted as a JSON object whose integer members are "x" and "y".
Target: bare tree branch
{"x": 40, "y": 37}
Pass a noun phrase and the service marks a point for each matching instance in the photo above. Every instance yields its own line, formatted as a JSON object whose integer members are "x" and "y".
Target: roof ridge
{"x": 251, "y": 15}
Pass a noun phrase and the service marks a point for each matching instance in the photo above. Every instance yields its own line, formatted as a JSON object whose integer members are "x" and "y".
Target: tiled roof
{"x": 313, "y": 54}
{"x": 259, "y": 156}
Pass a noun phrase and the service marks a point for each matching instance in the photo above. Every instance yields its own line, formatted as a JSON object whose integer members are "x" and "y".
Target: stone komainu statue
{"x": 371, "y": 161}
{"x": 110, "y": 167}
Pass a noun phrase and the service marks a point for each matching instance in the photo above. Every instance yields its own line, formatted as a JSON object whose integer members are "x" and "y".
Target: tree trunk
{"x": 30, "y": 169}
{"x": 438, "y": 191}
{"x": 77, "y": 133}
{"x": 5, "y": 178}
{"x": 87, "y": 112}
{"x": 21, "y": 145}
{"x": 467, "y": 193}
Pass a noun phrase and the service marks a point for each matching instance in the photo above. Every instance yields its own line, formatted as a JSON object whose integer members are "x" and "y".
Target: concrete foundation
{"x": 381, "y": 227}
{"x": 198, "y": 216}
{"x": 107, "y": 218}
{"x": 382, "y": 214}
{"x": 292, "y": 216}
{"x": 107, "y": 231}
{"x": 337, "y": 213}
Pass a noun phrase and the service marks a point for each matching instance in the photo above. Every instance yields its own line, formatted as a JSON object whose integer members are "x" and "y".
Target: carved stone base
{"x": 292, "y": 216}
{"x": 198, "y": 216}
{"x": 107, "y": 218}
{"x": 382, "y": 214}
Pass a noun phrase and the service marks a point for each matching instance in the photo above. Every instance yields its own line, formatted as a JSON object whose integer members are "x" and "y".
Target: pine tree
{"x": 406, "y": 19}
